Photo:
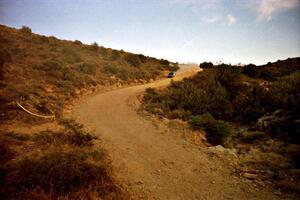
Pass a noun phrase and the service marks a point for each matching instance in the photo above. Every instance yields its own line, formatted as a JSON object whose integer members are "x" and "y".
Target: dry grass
{"x": 44, "y": 73}
{"x": 56, "y": 165}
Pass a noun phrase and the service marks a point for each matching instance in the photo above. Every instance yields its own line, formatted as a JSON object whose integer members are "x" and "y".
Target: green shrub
{"x": 67, "y": 86}
{"x": 94, "y": 46}
{"x": 218, "y": 133}
{"x": 51, "y": 65}
{"x": 151, "y": 95}
{"x": 78, "y": 42}
{"x": 251, "y": 70}
{"x": 124, "y": 74}
{"x": 90, "y": 80}
{"x": 155, "y": 110}
{"x": 195, "y": 99}
{"x": 273, "y": 71}
{"x": 111, "y": 69}
{"x": 87, "y": 68}
{"x": 114, "y": 55}
{"x": 287, "y": 92}
{"x": 187, "y": 96}
{"x": 77, "y": 135}
{"x": 68, "y": 74}
{"x": 78, "y": 138}
{"x": 142, "y": 58}
{"x": 59, "y": 172}
{"x": 250, "y": 137}
{"x": 43, "y": 40}
{"x": 215, "y": 97}
{"x": 252, "y": 102}
{"x": 164, "y": 62}
{"x": 265, "y": 74}
{"x": 103, "y": 51}
{"x": 202, "y": 121}
{"x": 25, "y": 30}
{"x": 48, "y": 137}
{"x": 210, "y": 97}
{"x": 70, "y": 56}
{"x": 206, "y": 65}
{"x": 229, "y": 78}
{"x": 133, "y": 60}
{"x": 176, "y": 114}
{"x": 217, "y": 130}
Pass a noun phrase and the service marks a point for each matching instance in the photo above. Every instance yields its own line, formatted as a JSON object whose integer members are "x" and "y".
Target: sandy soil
{"x": 152, "y": 160}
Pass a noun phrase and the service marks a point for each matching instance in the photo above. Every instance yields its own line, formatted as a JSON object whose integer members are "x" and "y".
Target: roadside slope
{"x": 154, "y": 163}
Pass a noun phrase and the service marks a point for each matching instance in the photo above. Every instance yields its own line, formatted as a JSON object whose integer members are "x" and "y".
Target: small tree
{"x": 78, "y": 42}
{"x": 164, "y": 62}
{"x": 94, "y": 46}
{"x": 206, "y": 65}
{"x": 111, "y": 68}
{"x": 251, "y": 70}
{"x": 217, "y": 130}
{"x": 25, "y": 30}
{"x": 133, "y": 60}
{"x": 114, "y": 55}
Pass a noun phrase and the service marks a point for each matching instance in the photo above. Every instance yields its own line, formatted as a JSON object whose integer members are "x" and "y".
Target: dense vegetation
{"x": 253, "y": 110}
{"x": 235, "y": 94}
{"x": 45, "y": 72}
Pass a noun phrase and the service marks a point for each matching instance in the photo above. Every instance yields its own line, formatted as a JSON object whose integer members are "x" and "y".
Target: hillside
{"x": 253, "y": 110}
{"x": 56, "y": 158}
{"x": 45, "y": 72}
{"x": 90, "y": 151}
{"x": 271, "y": 71}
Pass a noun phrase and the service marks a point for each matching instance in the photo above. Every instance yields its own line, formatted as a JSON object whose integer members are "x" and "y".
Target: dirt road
{"x": 152, "y": 161}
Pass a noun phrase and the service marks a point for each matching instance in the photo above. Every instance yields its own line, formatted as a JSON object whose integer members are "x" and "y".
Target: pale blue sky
{"x": 231, "y": 31}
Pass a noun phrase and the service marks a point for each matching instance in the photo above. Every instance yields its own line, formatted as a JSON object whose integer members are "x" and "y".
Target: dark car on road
{"x": 171, "y": 74}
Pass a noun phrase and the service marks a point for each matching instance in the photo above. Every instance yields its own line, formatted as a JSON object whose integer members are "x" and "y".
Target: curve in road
{"x": 156, "y": 165}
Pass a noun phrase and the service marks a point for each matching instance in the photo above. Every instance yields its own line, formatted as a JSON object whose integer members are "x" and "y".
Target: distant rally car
{"x": 171, "y": 74}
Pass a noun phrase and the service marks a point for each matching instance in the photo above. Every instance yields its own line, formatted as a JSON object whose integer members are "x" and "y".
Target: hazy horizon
{"x": 178, "y": 30}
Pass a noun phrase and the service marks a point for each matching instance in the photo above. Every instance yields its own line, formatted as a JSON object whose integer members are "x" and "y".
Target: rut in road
{"x": 156, "y": 165}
